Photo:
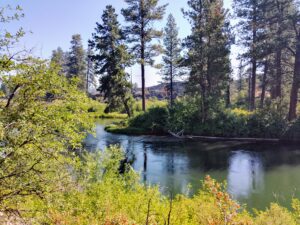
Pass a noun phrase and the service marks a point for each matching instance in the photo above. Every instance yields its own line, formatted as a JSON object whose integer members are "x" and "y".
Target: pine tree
{"x": 110, "y": 58}
{"x": 209, "y": 50}
{"x": 76, "y": 63}
{"x": 59, "y": 58}
{"x": 294, "y": 47}
{"x": 91, "y": 78}
{"x": 172, "y": 57}
{"x": 251, "y": 30}
{"x": 273, "y": 45}
{"x": 141, "y": 14}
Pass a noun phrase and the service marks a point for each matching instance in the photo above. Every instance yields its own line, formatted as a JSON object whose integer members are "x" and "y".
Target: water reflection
{"x": 245, "y": 174}
{"x": 145, "y": 163}
{"x": 251, "y": 173}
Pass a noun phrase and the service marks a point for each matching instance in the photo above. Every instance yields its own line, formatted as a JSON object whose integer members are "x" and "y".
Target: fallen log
{"x": 208, "y": 138}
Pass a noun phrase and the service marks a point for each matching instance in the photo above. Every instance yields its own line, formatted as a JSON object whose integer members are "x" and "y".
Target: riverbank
{"x": 115, "y": 129}
{"x": 229, "y": 125}
{"x": 291, "y": 136}
{"x": 126, "y": 130}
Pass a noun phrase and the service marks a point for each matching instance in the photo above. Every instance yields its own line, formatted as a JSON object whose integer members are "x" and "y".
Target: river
{"x": 255, "y": 174}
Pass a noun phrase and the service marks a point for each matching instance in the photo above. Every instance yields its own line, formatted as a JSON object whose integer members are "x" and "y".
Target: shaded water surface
{"x": 255, "y": 174}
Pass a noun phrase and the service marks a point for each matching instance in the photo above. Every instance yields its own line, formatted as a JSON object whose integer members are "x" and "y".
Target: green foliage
{"x": 292, "y": 133}
{"x": 153, "y": 121}
{"x": 141, "y": 33}
{"x": 182, "y": 113}
{"x": 101, "y": 195}
{"x": 76, "y": 63}
{"x": 110, "y": 59}
{"x": 171, "y": 56}
{"x": 141, "y": 15}
{"x": 97, "y": 110}
{"x": 58, "y": 58}
{"x": 208, "y": 53}
{"x": 121, "y": 129}
{"x": 275, "y": 215}
{"x": 137, "y": 106}
{"x": 268, "y": 122}
{"x": 39, "y": 135}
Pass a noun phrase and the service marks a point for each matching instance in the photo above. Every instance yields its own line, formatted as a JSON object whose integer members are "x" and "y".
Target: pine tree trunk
{"x": 249, "y": 89}
{"x": 143, "y": 86}
{"x": 278, "y": 74}
{"x": 264, "y": 84}
{"x": 295, "y": 85}
{"x": 254, "y": 61}
{"x": 88, "y": 76}
{"x": 204, "y": 106}
{"x": 253, "y": 85}
{"x": 143, "y": 57}
{"x": 126, "y": 106}
{"x": 228, "y": 100}
{"x": 171, "y": 84}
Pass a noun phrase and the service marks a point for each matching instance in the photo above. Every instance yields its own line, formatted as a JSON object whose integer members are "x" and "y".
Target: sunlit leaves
{"x": 43, "y": 123}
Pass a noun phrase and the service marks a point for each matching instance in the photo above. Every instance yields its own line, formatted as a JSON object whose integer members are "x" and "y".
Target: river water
{"x": 255, "y": 174}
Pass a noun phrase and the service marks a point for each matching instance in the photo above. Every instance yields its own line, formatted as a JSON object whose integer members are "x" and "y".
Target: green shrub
{"x": 275, "y": 215}
{"x": 269, "y": 122}
{"x": 153, "y": 120}
{"x": 183, "y": 115}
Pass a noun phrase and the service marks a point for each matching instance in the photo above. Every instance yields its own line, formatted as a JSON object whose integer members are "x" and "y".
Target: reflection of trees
{"x": 170, "y": 163}
{"x": 145, "y": 163}
{"x": 274, "y": 155}
{"x": 245, "y": 174}
{"x": 180, "y": 162}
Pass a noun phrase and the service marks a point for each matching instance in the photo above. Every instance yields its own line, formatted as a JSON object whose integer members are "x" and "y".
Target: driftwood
{"x": 180, "y": 135}
{"x": 252, "y": 140}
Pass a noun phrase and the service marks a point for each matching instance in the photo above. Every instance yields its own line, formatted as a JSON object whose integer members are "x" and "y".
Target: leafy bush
{"x": 152, "y": 121}
{"x": 269, "y": 122}
{"x": 183, "y": 112}
{"x": 275, "y": 215}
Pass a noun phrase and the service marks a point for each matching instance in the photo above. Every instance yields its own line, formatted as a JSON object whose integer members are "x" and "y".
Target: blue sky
{"x": 53, "y": 22}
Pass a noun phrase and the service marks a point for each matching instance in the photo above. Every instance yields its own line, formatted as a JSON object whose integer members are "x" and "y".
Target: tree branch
{"x": 12, "y": 95}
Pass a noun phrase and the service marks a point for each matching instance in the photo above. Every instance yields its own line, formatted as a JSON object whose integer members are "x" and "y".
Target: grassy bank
{"x": 97, "y": 110}
{"x": 121, "y": 129}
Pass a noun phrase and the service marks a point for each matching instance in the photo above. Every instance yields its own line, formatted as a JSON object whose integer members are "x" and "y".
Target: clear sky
{"x": 53, "y": 22}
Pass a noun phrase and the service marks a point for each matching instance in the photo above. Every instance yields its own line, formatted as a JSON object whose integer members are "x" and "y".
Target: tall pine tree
{"x": 209, "y": 50}
{"x": 59, "y": 58}
{"x": 141, "y": 14}
{"x": 251, "y": 29}
{"x": 110, "y": 59}
{"x": 171, "y": 57}
{"x": 294, "y": 47}
{"x": 76, "y": 61}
